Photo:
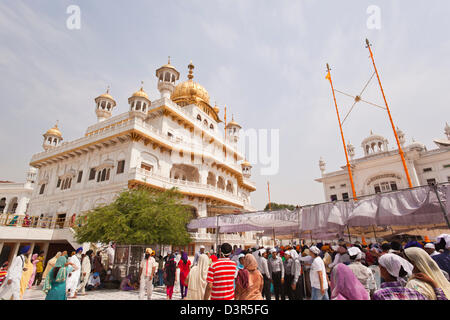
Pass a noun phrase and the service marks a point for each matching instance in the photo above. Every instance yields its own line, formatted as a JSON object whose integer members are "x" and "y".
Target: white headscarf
{"x": 315, "y": 250}
{"x": 392, "y": 263}
{"x": 427, "y": 265}
{"x": 197, "y": 278}
{"x": 446, "y": 237}
{"x": 355, "y": 251}
{"x": 294, "y": 254}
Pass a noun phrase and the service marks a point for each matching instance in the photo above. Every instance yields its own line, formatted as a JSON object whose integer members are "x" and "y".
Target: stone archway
{"x": 12, "y": 205}
{"x": 185, "y": 172}
{"x": 2, "y": 204}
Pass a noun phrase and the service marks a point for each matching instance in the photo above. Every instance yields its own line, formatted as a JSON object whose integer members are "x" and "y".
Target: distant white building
{"x": 14, "y": 197}
{"x": 381, "y": 169}
{"x": 174, "y": 141}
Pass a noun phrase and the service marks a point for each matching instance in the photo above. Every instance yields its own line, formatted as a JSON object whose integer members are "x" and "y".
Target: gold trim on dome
{"x": 105, "y": 95}
{"x": 191, "y": 92}
{"x": 54, "y": 131}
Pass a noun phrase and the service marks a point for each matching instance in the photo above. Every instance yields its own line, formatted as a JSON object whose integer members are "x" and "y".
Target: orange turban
{"x": 363, "y": 241}
{"x": 427, "y": 239}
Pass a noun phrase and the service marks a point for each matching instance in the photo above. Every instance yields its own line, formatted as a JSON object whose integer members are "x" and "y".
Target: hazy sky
{"x": 264, "y": 59}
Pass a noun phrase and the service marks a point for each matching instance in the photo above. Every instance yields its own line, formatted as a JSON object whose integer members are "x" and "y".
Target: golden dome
{"x": 141, "y": 93}
{"x": 54, "y": 131}
{"x": 245, "y": 163}
{"x": 105, "y": 95}
{"x": 233, "y": 123}
{"x": 190, "y": 92}
{"x": 216, "y": 109}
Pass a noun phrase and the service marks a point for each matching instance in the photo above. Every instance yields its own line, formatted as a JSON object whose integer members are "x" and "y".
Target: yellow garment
{"x": 26, "y": 276}
{"x": 40, "y": 265}
{"x": 422, "y": 261}
{"x": 50, "y": 264}
{"x": 327, "y": 260}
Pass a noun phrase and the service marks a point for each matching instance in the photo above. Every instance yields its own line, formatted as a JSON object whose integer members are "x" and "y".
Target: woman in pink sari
{"x": 345, "y": 285}
{"x": 34, "y": 260}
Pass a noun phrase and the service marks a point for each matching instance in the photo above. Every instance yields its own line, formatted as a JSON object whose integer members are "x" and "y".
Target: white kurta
{"x": 72, "y": 282}
{"x": 14, "y": 274}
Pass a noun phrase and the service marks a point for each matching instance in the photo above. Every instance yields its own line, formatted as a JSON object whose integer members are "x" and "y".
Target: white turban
{"x": 446, "y": 237}
{"x": 393, "y": 263}
{"x": 430, "y": 245}
{"x": 294, "y": 254}
{"x": 335, "y": 248}
{"x": 355, "y": 251}
{"x": 315, "y": 250}
{"x": 273, "y": 250}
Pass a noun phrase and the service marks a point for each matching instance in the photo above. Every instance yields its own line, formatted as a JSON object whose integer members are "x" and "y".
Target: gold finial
{"x": 107, "y": 89}
{"x": 56, "y": 124}
{"x": 190, "y": 67}
{"x": 142, "y": 85}
{"x": 232, "y": 117}
{"x": 168, "y": 62}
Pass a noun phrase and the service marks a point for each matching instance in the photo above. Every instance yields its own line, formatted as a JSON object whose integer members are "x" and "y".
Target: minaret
{"x": 232, "y": 129}
{"x": 104, "y": 104}
{"x": 322, "y": 165}
{"x": 401, "y": 137}
{"x": 351, "y": 150}
{"x": 31, "y": 177}
{"x": 167, "y": 75}
{"x": 52, "y": 138}
{"x": 139, "y": 102}
{"x": 246, "y": 169}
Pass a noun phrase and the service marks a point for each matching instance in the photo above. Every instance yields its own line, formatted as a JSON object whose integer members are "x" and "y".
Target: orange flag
{"x": 328, "y": 76}
{"x": 363, "y": 241}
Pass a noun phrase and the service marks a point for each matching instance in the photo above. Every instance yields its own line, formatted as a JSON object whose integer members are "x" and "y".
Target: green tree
{"x": 138, "y": 216}
{"x": 278, "y": 206}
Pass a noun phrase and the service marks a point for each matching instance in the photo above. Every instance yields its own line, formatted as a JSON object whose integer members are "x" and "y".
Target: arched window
{"x": 199, "y": 118}
{"x": 103, "y": 104}
{"x": 167, "y": 77}
{"x": 138, "y": 105}
{"x": 99, "y": 176}
{"x": 103, "y": 175}
{"x": 211, "y": 126}
{"x": 205, "y": 122}
{"x": 109, "y": 106}
{"x": 107, "y": 174}
{"x": 144, "y": 107}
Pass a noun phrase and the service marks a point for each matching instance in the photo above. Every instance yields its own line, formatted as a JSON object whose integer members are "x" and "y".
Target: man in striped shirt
{"x": 221, "y": 275}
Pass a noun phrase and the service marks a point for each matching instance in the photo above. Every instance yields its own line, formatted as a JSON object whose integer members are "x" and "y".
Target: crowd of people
{"x": 64, "y": 276}
{"x": 414, "y": 270}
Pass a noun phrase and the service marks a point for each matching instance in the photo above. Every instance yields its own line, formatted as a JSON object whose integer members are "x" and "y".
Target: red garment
{"x": 213, "y": 258}
{"x": 221, "y": 275}
{"x": 184, "y": 271}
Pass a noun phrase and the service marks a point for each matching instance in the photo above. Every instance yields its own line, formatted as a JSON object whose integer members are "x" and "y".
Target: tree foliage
{"x": 138, "y": 216}
{"x": 279, "y": 206}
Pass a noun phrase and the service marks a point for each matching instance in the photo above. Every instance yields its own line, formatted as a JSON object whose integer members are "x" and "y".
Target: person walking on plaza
{"x": 10, "y": 288}
{"x": 184, "y": 265}
{"x": 264, "y": 269}
{"x": 73, "y": 278}
{"x": 85, "y": 272}
{"x": 50, "y": 264}
{"x": 55, "y": 282}
{"x": 276, "y": 269}
{"x": 98, "y": 266}
{"x": 426, "y": 268}
{"x": 26, "y": 276}
{"x": 34, "y": 261}
{"x": 318, "y": 276}
{"x": 198, "y": 254}
{"x": 170, "y": 270}
{"x": 196, "y": 279}
{"x": 39, "y": 269}
{"x": 345, "y": 285}
{"x": 221, "y": 275}
{"x": 146, "y": 273}
{"x": 249, "y": 281}
{"x": 160, "y": 271}
{"x": 298, "y": 277}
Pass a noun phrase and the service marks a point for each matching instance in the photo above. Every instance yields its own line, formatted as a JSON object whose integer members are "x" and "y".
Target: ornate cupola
{"x": 351, "y": 150}
{"x": 401, "y": 136}
{"x": 104, "y": 105}
{"x": 246, "y": 169}
{"x": 232, "y": 129}
{"x": 374, "y": 143}
{"x": 139, "y": 102}
{"x": 167, "y": 75}
{"x": 52, "y": 138}
{"x": 322, "y": 165}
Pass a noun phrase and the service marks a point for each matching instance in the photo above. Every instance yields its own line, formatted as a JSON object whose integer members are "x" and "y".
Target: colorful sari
{"x": 55, "y": 288}
{"x": 34, "y": 260}
{"x": 26, "y": 276}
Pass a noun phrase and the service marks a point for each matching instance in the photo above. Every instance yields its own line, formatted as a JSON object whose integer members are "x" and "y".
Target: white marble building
{"x": 381, "y": 169}
{"x": 175, "y": 141}
{"x": 14, "y": 197}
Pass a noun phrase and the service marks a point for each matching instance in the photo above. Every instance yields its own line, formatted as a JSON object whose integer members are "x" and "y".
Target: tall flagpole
{"x": 390, "y": 117}
{"x": 268, "y": 191}
{"x": 225, "y": 120}
{"x": 342, "y": 134}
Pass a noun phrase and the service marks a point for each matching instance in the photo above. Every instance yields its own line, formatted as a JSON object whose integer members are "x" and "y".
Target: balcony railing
{"x": 25, "y": 221}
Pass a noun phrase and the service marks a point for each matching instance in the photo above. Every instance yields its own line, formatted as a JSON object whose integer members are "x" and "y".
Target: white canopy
{"x": 408, "y": 207}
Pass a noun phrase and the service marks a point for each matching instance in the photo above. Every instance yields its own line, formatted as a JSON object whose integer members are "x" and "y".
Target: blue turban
{"x": 24, "y": 250}
{"x": 96, "y": 274}
{"x": 413, "y": 244}
{"x": 80, "y": 249}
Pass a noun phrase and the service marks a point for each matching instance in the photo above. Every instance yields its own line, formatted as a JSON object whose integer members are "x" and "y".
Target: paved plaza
{"x": 159, "y": 293}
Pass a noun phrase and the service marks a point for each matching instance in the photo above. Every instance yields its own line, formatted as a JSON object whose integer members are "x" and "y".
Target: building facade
{"x": 381, "y": 169}
{"x": 175, "y": 141}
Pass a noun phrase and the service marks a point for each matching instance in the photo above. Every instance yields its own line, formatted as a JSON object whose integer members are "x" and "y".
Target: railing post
{"x": 444, "y": 212}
